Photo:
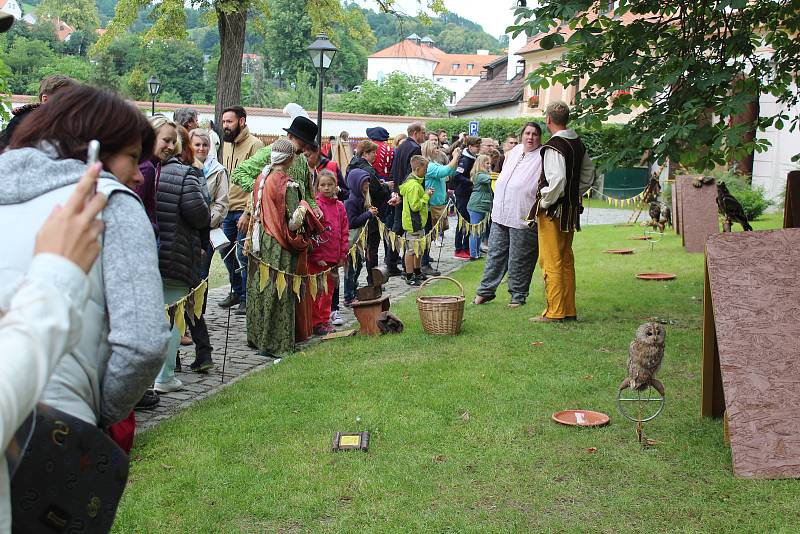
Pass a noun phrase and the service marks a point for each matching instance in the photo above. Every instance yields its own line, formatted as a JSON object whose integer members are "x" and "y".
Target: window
{"x": 469, "y": 80}
{"x": 456, "y": 66}
{"x": 453, "y": 80}
{"x": 439, "y": 79}
{"x": 470, "y": 66}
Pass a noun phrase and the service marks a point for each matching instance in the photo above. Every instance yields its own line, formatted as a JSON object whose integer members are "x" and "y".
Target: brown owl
{"x": 644, "y": 358}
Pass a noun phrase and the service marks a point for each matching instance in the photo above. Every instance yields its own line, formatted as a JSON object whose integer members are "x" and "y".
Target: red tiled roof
{"x": 533, "y": 44}
{"x": 489, "y": 93}
{"x": 447, "y": 61}
{"x": 408, "y": 48}
{"x": 63, "y": 30}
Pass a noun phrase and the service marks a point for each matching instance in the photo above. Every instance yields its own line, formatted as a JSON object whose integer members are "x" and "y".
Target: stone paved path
{"x": 241, "y": 360}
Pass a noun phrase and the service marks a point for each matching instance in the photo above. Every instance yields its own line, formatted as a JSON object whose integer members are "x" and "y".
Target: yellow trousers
{"x": 558, "y": 266}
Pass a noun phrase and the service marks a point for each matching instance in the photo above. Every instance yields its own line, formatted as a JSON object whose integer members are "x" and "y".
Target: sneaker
{"x": 169, "y": 386}
{"x": 348, "y": 303}
{"x": 149, "y": 400}
{"x": 242, "y": 309}
{"x": 231, "y": 300}
{"x": 323, "y": 330}
{"x": 421, "y": 277}
{"x": 336, "y": 318}
{"x": 202, "y": 365}
{"x": 430, "y": 271}
{"x": 414, "y": 281}
{"x": 461, "y": 255}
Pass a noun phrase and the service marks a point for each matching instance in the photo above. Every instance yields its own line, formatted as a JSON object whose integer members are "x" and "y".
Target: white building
{"x": 11, "y": 7}
{"x": 419, "y": 57}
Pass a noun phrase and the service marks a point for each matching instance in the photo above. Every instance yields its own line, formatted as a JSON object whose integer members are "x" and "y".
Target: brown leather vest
{"x": 568, "y": 207}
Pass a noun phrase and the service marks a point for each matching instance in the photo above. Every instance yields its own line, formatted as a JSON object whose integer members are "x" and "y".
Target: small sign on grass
{"x": 345, "y": 441}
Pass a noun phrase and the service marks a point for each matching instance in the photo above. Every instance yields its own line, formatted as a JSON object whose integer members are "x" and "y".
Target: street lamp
{"x": 321, "y": 52}
{"x": 154, "y": 86}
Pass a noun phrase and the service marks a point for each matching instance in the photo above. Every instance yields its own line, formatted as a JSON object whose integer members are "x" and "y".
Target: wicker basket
{"x": 441, "y": 315}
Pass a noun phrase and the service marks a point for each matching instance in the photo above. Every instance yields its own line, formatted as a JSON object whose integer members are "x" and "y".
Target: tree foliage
{"x": 689, "y": 65}
{"x": 80, "y": 14}
{"x": 399, "y": 94}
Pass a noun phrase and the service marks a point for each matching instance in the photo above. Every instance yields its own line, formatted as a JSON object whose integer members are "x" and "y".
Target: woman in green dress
{"x": 276, "y": 241}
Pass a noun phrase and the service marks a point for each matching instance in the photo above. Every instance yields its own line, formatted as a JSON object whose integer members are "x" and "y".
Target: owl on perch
{"x": 644, "y": 358}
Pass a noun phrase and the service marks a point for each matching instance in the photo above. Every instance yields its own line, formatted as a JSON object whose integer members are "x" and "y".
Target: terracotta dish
{"x": 656, "y": 276}
{"x": 581, "y": 418}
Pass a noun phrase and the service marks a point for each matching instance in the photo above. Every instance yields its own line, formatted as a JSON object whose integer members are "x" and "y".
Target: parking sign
{"x": 473, "y": 127}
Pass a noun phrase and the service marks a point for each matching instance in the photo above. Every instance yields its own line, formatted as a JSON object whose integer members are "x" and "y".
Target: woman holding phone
{"x": 121, "y": 345}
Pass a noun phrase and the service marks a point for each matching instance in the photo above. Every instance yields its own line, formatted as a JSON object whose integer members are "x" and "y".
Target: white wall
{"x": 356, "y": 127}
{"x": 771, "y": 167}
{"x": 457, "y": 84}
{"x": 511, "y": 111}
{"x": 408, "y": 65}
{"x": 12, "y": 7}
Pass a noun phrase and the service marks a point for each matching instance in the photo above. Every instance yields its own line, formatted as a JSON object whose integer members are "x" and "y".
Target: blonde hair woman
{"x": 480, "y": 201}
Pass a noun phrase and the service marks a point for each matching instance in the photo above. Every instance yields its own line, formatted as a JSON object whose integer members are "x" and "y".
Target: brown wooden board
{"x": 698, "y": 213}
{"x": 755, "y": 291}
{"x": 791, "y": 206}
{"x": 675, "y": 214}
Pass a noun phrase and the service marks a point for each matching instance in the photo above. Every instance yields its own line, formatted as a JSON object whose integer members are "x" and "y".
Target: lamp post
{"x": 321, "y": 52}
{"x": 153, "y": 86}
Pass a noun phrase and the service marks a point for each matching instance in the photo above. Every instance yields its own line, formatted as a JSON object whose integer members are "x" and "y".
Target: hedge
{"x": 599, "y": 142}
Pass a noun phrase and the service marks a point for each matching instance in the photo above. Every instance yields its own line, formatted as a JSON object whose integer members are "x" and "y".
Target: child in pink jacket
{"x": 332, "y": 250}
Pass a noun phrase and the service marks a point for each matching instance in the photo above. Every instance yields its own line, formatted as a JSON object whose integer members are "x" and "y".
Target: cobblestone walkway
{"x": 241, "y": 360}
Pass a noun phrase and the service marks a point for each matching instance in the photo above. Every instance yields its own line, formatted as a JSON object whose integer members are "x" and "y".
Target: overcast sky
{"x": 493, "y": 15}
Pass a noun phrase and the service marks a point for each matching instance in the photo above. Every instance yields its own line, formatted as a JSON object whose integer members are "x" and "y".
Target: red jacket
{"x": 383, "y": 160}
{"x": 334, "y": 242}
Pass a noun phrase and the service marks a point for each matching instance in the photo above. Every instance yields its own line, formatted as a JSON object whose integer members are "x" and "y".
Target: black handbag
{"x": 67, "y": 475}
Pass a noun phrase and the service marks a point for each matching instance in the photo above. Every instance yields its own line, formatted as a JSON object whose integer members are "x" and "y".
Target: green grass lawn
{"x": 462, "y": 439}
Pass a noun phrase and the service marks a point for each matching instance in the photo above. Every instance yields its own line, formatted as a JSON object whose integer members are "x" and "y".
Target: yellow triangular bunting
{"x": 280, "y": 283}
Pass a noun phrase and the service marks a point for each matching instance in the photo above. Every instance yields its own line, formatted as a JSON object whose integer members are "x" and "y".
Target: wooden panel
{"x": 675, "y": 214}
{"x": 698, "y": 213}
{"x": 755, "y": 289}
{"x": 712, "y": 402}
{"x": 791, "y": 207}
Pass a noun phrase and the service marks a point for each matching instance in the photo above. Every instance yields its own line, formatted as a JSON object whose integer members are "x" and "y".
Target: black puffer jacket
{"x": 378, "y": 191}
{"x": 182, "y": 214}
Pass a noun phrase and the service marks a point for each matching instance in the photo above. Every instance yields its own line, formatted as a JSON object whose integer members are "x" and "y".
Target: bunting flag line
{"x": 296, "y": 282}
{"x": 318, "y": 282}
{"x": 616, "y": 202}
{"x": 417, "y": 245}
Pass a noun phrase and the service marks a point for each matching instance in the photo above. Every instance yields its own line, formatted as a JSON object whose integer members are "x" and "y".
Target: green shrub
{"x": 600, "y": 143}
{"x": 753, "y": 200}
